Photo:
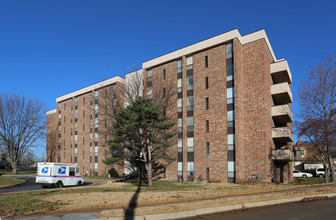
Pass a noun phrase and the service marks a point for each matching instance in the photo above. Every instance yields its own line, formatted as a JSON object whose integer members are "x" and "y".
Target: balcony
{"x": 282, "y": 134}
{"x": 282, "y": 155}
{"x": 280, "y": 72}
{"x": 281, "y": 93}
{"x": 282, "y": 114}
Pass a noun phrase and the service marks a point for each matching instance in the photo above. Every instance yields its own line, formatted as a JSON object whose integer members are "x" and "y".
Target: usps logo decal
{"x": 45, "y": 169}
{"x": 61, "y": 170}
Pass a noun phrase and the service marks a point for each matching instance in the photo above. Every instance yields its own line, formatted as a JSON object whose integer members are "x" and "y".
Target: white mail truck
{"x": 58, "y": 174}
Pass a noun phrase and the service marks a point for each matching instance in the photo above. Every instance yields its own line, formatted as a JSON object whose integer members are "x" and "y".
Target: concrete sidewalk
{"x": 217, "y": 209}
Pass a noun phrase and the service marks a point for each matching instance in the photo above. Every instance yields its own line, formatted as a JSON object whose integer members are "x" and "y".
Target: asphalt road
{"x": 30, "y": 185}
{"x": 323, "y": 209}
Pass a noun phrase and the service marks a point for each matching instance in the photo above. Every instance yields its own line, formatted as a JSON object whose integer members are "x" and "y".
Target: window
{"x": 190, "y": 83}
{"x": 207, "y": 146}
{"x": 164, "y": 73}
{"x": 179, "y": 145}
{"x": 190, "y": 168}
{"x": 179, "y": 168}
{"x": 64, "y": 106}
{"x": 164, "y": 92}
{"x": 189, "y": 62}
{"x": 230, "y": 141}
{"x": 179, "y": 66}
{"x": 83, "y": 114}
{"x": 72, "y": 171}
{"x": 96, "y": 108}
{"x": 179, "y": 85}
{"x": 206, "y": 61}
{"x": 229, "y": 92}
{"x": 96, "y": 122}
{"x": 190, "y": 144}
{"x": 190, "y": 123}
{"x": 96, "y": 137}
{"x": 190, "y": 103}
{"x": 207, "y": 172}
{"x": 83, "y": 101}
{"x": 228, "y": 50}
{"x": 207, "y": 126}
{"x": 230, "y": 115}
{"x": 179, "y": 105}
{"x": 206, "y": 82}
{"x": 64, "y": 130}
{"x": 179, "y": 125}
{"x": 76, "y": 101}
{"x": 206, "y": 103}
{"x": 83, "y": 140}
{"x": 149, "y": 94}
{"x": 96, "y": 95}
{"x": 149, "y": 76}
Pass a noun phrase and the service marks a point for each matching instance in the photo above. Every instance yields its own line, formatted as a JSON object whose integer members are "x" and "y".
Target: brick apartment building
{"x": 232, "y": 109}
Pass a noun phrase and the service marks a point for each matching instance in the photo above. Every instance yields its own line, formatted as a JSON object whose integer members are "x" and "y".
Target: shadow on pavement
{"x": 129, "y": 212}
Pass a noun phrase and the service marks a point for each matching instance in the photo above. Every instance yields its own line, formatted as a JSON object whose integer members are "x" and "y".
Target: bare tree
{"x": 317, "y": 96}
{"x": 22, "y": 124}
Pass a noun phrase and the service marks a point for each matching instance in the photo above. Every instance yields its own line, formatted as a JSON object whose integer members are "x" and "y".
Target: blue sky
{"x": 50, "y": 48}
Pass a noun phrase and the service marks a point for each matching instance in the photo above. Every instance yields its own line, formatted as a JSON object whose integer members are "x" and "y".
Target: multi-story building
{"x": 231, "y": 103}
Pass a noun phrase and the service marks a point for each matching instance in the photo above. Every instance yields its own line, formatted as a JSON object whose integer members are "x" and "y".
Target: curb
{"x": 217, "y": 209}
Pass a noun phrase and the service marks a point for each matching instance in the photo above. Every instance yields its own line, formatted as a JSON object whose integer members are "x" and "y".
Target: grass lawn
{"x": 9, "y": 180}
{"x": 18, "y": 172}
{"x": 309, "y": 181}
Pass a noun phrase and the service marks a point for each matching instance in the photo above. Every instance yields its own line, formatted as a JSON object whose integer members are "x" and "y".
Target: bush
{"x": 113, "y": 173}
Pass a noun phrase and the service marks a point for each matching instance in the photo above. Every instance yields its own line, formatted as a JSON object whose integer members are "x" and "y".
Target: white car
{"x": 299, "y": 174}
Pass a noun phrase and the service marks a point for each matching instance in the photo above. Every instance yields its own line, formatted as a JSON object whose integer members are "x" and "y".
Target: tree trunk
{"x": 332, "y": 170}
{"x": 326, "y": 175}
{"x": 149, "y": 167}
{"x": 14, "y": 166}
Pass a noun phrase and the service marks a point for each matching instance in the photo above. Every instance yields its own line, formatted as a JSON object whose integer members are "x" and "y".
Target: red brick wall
{"x": 253, "y": 104}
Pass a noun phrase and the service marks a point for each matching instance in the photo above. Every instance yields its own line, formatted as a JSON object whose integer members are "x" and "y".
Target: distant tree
{"x": 28, "y": 158}
{"x": 141, "y": 135}
{"x": 317, "y": 96}
{"x": 22, "y": 124}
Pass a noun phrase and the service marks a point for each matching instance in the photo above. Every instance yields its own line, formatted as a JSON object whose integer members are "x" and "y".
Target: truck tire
{"x": 59, "y": 184}
{"x": 79, "y": 183}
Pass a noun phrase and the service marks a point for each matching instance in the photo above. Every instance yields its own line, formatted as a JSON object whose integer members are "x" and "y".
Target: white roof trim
{"x": 90, "y": 88}
{"x": 261, "y": 34}
{"x": 51, "y": 112}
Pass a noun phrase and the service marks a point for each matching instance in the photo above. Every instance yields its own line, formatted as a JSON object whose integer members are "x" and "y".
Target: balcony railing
{"x": 281, "y": 93}
{"x": 280, "y": 72}
{"x": 282, "y": 113}
{"x": 282, "y": 134}
{"x": 282, "y": 155}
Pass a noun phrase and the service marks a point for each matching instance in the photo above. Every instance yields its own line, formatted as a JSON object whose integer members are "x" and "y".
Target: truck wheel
{"x": 59, "y": 184}
{"x": 79, "y": 183}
